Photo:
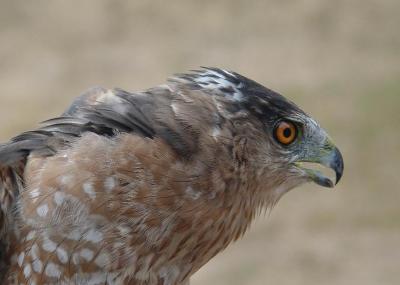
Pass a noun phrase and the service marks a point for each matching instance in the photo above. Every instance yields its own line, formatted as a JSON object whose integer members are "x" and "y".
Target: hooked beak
{"x": 331, "y": 158}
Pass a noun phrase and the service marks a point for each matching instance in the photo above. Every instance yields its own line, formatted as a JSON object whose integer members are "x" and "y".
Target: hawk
{"x": 145, "y": 188}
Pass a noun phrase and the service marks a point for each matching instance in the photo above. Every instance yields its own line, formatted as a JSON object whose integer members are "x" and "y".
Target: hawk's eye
{"x": 285, "y": 132}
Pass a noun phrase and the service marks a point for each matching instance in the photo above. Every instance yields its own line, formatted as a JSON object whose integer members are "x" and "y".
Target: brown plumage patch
{"x": 141, "y": 188}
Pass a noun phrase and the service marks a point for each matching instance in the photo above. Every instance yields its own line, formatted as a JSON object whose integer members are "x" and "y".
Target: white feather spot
{"x": 31, "y": 235}
{"x": 34, "y": 194}
{"x": 94, "y": 236}
{"x": 169, "y": 273}
{"x": 52, "y": 270}
{"x": 66, "y": 179}
{"x": 27, "y": 270}
{"x": 109, "y": 183}
{"x": 34, "y": 252}
{"x": 238, "y": 96}
{"x": 212, "y": 80}
{"x": 49, "y": 245}
{"x": 108, "y": 96}
{"x": 124, "y": 230}
{"x": 74, "y": 235}
{"x": 37, "y": 265}
{"x": 87, "y": 254}
{"x": 59, "y": 197}
{"x": 21, "y": 258}
{"x": 89, "y": 190}
{"x": 229, "y": 73}
{"x": 75, "y": 258}
{"x": 62, "y": 255}
{"x": 216, "y": 132}
{"x": 192, "y": 194}
{"x": 102, "y": 260}
{"x": 42, "y": 210}
{"x": 175, "y": 108}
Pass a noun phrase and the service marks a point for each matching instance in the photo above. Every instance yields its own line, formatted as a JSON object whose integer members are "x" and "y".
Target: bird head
{"x": 278, "y": 141}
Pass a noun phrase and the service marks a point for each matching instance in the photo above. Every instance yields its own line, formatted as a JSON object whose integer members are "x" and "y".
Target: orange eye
{"x": 285, "y": 132}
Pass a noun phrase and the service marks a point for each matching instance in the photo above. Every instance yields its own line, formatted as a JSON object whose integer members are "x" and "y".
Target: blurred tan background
{"x": 339, "y": 60}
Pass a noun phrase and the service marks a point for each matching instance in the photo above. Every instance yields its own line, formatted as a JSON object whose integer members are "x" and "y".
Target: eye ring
{"x": 285, "y": 132}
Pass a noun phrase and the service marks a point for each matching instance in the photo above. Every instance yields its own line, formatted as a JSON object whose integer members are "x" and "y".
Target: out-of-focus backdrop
{"x": 339, "y": 60}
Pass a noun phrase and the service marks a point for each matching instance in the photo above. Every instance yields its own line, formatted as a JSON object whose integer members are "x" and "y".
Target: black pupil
{"x": 287, "y": 132}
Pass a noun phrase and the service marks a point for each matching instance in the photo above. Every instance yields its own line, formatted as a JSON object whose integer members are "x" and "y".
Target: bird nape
{"x": 146, "y": 187}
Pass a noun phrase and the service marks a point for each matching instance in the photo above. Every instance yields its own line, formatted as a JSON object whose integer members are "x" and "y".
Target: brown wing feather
{"x": 110, "y": 112}
{"x": 11, "y": 185}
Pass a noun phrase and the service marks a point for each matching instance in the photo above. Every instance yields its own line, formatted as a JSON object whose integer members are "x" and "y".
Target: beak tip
{"x": 338, "y": 165}
{"x": 338, "y": 177}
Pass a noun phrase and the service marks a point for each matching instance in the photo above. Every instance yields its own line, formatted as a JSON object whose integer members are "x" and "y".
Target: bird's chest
{"x": 141, "y": 251}
{"x": 127, "y": 219}
{"x": 115, "y": 256}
